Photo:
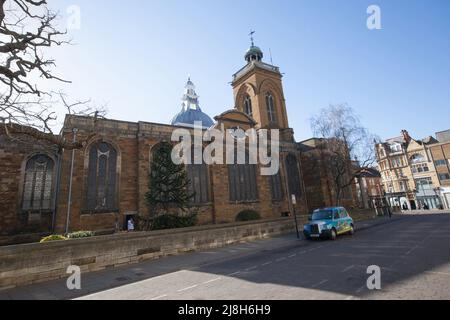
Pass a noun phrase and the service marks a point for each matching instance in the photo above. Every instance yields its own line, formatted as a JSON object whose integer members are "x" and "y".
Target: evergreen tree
{"x": 168, "y": 186}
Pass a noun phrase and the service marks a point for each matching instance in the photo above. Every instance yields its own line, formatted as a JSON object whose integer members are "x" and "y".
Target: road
{"x": 412, "y": 251}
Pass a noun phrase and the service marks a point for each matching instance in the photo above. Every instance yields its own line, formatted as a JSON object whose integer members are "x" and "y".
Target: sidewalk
{"x": 111, "y": 278}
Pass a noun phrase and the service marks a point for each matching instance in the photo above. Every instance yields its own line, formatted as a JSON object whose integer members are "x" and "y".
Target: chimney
{"x": 406, "y": 136}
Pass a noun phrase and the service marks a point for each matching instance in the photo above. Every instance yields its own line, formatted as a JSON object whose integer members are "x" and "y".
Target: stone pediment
{"x": 234, "y": 118}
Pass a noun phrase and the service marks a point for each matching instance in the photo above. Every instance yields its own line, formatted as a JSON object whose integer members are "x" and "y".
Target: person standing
{"x": 130, "y": 225}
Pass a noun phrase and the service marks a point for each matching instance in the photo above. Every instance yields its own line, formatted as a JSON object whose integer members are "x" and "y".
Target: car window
{"x": 344, "y": 213}
{"x": 322, "y": 215}
{"x": 336, "y": 215}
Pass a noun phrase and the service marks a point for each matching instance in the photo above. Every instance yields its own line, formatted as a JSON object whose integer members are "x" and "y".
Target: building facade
{"x": 100, "y": 186}
{"x": 413, "y": 171}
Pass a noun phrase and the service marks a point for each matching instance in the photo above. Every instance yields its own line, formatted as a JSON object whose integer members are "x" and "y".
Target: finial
{"x": 251, "y": 37}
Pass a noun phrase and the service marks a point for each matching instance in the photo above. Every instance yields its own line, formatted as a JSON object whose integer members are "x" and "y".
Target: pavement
{"x": 412, "y": 251}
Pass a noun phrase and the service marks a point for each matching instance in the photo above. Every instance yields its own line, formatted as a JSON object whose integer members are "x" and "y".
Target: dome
{"x": 191, "y": 112}
{"x": 190, "y": 116}
{"x": 254, "y": 53}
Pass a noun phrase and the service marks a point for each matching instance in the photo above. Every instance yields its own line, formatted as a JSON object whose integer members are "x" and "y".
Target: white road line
{"x": 251, "y": 268}
{"x": 348, "y": 268}
{"x": 292, "y": 255}
{"x": 280, "y": 259}
{"x": 212, "y": 280}
{"x": 188, "y": 288}
{"x": 159, "y": 297}
{"x": 266, "y": 263}
{"x": 234, "y": 273}
{"x": 438, "y": 273}
{"x": 320, "y": 283}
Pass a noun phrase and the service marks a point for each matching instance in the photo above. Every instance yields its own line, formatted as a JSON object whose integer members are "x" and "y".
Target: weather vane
{"x": 251, "y": 37}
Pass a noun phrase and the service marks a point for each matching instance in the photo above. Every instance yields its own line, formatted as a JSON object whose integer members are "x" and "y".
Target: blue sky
{"x": 136, "y": 55}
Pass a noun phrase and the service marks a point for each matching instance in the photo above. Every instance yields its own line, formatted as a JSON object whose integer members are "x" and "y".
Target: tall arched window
{"x": 276, "y": 186}
{"x": 38, "y": 183}
{"x": 242, "y": 181}
{"x": 248, "y": 106}
{"x": 293, "y": 175}
{"x": 198, "y": 181}
{"x": 270, "y": 108}
{"x": 102, "y": 178}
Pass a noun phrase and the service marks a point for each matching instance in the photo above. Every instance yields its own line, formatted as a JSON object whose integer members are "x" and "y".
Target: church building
{"x": 101, "y": 185}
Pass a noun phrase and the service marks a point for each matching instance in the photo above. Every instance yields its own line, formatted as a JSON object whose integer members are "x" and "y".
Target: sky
{"x": 135, "y": 57}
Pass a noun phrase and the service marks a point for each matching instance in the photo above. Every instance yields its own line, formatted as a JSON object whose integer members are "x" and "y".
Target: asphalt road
{"x": 413, "y": 253}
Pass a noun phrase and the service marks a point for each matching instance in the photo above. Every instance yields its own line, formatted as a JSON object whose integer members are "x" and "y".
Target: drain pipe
{"x": 69, "y": 200}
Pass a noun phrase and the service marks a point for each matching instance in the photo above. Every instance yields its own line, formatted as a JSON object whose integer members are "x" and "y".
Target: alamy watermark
{"x": 228, "y": 146}
{"x": 374, "y": 19}
{"x": 374, "y": 280}
{"x": 74, "y": 280}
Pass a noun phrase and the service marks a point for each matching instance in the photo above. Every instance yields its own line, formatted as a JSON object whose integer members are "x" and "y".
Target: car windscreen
{"x": 322, "y": 215}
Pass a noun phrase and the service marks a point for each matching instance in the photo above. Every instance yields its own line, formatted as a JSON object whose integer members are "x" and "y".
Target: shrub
{"x": 168, "y": 221}
{"x": 248, "y": 215}
{"x": 54, "y": 237}
{"x": 80, "y": 234}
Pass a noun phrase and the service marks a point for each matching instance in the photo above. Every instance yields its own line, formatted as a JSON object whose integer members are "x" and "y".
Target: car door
{"x": 345, "y": 218}
{"x": 337, "y": 220}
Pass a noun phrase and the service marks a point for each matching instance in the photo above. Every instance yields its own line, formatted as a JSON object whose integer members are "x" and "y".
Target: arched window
{"x": 198, "y": 181}
{"x": 293, "y": 176}
{"x": 102, "y": 178}
{"x": 248, "y": 106}
{"x": 242, "y": 182}
{"x": 276, "y": 186}
{"x": 270, "y": 108}
{"x": 417, "y": 158}
{"x": 38, "y": 183}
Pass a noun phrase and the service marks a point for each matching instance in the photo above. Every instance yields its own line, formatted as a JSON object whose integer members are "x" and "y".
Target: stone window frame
{"x": 87, "y": 151}
{"x": 206, "y": 197}
{"x": 297, "y": 189}
{"x": 246, "y": 191}
{"x": 276, "y": 187}
{"x": 53, "y": 186}
{"x": 248, "y": 107}
{"x": 271, "y": 108}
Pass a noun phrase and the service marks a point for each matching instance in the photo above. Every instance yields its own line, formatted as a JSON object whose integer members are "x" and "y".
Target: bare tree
{"x": 27, "y": 29}
{"x": 346, "y": 149}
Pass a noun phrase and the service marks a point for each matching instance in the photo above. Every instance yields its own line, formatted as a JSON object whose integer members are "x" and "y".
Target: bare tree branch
{"x": 347, "y": 146}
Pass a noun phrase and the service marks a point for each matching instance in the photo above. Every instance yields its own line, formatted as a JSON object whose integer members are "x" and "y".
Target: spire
{"x": 190, "y": 97}
{"x": 251, "y": 37}
{"x": 254, "y": 53}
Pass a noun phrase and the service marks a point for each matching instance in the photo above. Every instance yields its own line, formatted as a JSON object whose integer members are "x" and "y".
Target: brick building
{"x": 415, "y": 172}
{"x": 318, "y": 178}
{"x": 101, "y": 185}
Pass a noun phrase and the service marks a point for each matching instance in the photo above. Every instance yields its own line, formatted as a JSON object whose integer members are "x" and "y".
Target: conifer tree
{"x": 168, "y": 186}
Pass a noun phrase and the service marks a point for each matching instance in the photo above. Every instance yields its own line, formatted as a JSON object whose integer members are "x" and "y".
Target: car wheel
{"x": 333, "y": 234}
{"x": 352, "y": 230}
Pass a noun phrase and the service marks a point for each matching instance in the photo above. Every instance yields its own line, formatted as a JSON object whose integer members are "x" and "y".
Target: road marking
{"x": 234, "y": 273}
{"x": 251, "y": 268}
{"x": 280, "y": 259}
{"x": 266, "y": 263}
{"x": 348, "y": 268}
{"x": 188, "y": 288}
{"x": 320, "y": 283}
{"x": 292, "y": 255}
{"x": 438, "y": 273}
{"x": 212, "y": 280}
{"x": 159, "y": 297}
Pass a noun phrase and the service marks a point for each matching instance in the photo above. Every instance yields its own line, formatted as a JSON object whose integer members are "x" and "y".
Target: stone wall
{"x": 13, "y": 157}
{"x": 39, "y": 262}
